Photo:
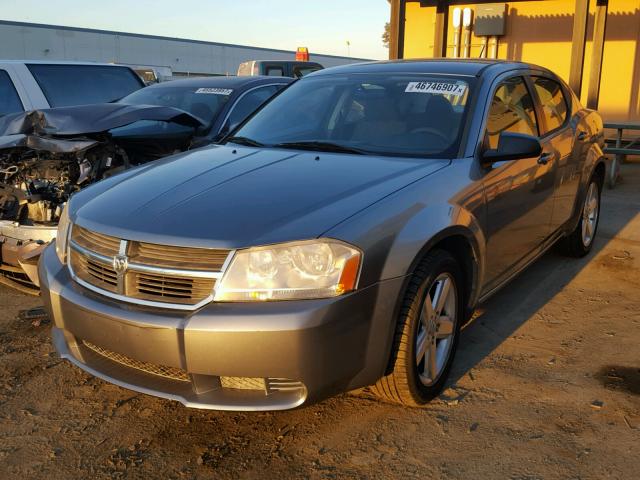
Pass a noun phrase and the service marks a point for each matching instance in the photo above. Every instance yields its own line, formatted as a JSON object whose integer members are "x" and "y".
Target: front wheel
{"x": 580, "y": 241}
{"x": 427, "y": 332}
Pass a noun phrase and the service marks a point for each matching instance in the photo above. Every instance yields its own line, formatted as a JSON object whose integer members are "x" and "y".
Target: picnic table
{"x": 620, "y": 147}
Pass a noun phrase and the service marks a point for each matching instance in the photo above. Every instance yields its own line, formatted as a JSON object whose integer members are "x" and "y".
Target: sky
{"x": 322, "y": 26}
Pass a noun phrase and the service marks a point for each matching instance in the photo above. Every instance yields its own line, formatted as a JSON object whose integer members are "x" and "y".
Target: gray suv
{"x": 338, "y": 239}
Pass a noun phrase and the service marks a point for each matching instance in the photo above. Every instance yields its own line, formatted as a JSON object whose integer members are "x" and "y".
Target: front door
{"x": 519, "y": 193}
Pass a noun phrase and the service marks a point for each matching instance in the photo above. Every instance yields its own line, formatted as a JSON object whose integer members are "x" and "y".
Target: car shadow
{"x": 504, "y": 313}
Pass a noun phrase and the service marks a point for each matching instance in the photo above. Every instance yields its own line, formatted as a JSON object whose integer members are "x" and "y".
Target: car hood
{"x": 88, "y": 119}
{"x": 221, "y": 196}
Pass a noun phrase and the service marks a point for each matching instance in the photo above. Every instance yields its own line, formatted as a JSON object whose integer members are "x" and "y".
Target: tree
{"x": 386, "y": 35}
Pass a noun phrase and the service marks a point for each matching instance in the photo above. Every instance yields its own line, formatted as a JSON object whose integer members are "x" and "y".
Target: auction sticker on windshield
{"x": 215, "y": 91}
{"x": 443, "y": 88}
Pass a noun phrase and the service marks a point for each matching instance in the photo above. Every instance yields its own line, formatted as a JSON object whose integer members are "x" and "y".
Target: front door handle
{"x": 545, "y": 158}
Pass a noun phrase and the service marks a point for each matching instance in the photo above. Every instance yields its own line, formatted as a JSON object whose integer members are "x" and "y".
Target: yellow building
{"x": 594, "y": 45}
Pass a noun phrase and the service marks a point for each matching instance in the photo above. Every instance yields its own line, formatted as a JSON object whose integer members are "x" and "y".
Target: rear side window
{"x": 275, "y": 71}
{"x": 511, "y": 111}
{"x": 68, "y": 85}
{"x": 299, "y": 72}
{"x": 552, "y": 100}
{"x": 9, "y": 100}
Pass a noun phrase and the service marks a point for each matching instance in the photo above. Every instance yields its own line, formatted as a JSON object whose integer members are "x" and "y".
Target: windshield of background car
{"x": 202, "y": 102}
{"x": 386, "y": 114}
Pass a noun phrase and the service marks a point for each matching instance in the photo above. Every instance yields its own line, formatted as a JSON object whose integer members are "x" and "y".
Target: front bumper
{"x": 20, "y": 249}
{"x": 304, "y": 351}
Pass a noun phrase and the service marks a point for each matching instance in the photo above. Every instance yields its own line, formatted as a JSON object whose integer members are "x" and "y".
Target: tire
{"x": 579, "y": 242}
{"x": 411, "y": 381}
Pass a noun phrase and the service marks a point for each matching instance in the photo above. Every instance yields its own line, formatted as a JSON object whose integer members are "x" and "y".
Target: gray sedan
{"x": 337, "y": 239}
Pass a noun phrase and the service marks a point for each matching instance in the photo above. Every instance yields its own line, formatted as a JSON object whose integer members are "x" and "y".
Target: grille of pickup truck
{"x": 146, "y": 273}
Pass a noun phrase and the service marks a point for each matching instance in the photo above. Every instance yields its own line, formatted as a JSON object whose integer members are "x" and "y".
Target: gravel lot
{"x": 546, "y": 385}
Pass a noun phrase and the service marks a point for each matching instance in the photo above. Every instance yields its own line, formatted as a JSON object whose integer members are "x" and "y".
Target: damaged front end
{"x": 46, "y": 156}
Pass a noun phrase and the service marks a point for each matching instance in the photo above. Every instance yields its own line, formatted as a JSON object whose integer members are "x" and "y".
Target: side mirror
{"x": 513, "y": 146}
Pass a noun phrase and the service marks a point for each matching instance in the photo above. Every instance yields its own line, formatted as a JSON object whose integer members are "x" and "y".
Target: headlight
{"x": 62, "y": 237}
{"x": 291, "y": 271}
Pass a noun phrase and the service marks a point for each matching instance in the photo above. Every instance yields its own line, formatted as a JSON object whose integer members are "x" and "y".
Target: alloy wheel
{"x": 436, "y": 330}
{"x": 590, "y": 213}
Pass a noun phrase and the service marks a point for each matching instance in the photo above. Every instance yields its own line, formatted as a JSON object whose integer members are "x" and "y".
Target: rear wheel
{"x": 427, "y": 332}
{"x": 580, "y": 241}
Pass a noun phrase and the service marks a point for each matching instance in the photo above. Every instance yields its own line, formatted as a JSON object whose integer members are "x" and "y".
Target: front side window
{"x": 69, "y": 85}
{"x": 385, "y": 114}
{"x": 9, "y": 99}
{"x": 554, "y": 104}
{"x": 511, "y": 110}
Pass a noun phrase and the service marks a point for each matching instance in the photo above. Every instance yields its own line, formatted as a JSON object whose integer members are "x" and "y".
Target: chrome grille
{"x": 96, "y": 242}
{"x": 94, "y": 271}
{"x": 152, "y": 368}
{"x": 178, "y": 257}
{"x": 172, "y": 289}
{"x": 145, "y": 273}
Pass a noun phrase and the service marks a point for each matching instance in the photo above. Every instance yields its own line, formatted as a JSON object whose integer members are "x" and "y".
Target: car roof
{"x": 466, "y": 67}
{"x": 62, "y": 62}
{"x": 288, "y": 62}
{"x": 223, "y": 81}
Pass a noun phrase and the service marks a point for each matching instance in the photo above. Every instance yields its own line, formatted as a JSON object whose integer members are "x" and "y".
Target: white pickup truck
{"x": 34, "y": 85}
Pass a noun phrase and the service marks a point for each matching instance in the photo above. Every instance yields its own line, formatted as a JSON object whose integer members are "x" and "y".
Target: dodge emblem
{"x": 120, "y": 264}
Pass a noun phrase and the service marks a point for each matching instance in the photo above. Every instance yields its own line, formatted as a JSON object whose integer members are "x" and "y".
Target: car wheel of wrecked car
{"x": 580, "y": 241}
{"x": 427, "y": 332}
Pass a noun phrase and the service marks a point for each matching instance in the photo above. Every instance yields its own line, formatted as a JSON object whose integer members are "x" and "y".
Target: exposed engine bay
{"x": 46, "y": 156}
{"x": 35, "y": 185}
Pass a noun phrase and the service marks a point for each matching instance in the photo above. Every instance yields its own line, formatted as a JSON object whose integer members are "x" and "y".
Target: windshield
{"x": 203, "y": 103}
{"x": 402, "y": 114}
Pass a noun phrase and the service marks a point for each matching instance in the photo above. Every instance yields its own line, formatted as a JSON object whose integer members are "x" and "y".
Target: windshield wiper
{"x": 249, "y": 142}
{"x": 321, "y": 147}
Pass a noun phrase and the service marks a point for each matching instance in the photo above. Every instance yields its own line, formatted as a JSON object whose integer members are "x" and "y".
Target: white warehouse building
{"x": 31, "y": 41}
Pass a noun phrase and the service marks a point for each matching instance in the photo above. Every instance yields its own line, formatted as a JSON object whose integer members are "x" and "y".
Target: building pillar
{"x": 599, "y": 32}
{"x": 442, "y": 24}
{"x": 394, "y": 22}
{"x": 580, "y": 21}
{"x": 396, "y": 34}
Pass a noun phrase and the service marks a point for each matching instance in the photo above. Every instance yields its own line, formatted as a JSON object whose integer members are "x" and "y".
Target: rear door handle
{"x": 582, "y": 136}
{"x": 545, "y": 158}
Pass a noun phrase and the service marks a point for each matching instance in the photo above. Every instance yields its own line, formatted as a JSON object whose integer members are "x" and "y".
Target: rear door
{"x": 557, "y": 141}
{"x": 519, "y": 193}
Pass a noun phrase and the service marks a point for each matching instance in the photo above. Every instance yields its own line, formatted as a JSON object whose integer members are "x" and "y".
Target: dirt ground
{"x": 546, "y": 385}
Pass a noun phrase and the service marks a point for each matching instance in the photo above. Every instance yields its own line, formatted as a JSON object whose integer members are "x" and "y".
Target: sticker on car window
{"x": 456, "y": 89}
{"x": 215, "y": 91}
